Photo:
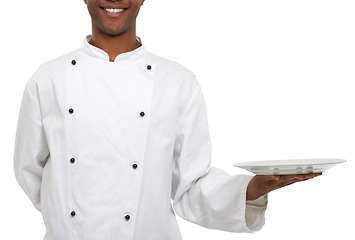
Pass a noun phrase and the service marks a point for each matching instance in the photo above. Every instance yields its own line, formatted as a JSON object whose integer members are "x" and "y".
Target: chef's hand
{"x": 260, "y": 185}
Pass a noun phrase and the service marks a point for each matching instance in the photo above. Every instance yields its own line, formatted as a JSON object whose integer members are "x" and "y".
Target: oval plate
{"x": 291, "y": 166}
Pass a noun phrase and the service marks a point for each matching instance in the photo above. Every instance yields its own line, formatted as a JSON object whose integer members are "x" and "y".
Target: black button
{"x": 72, "y": 160}
{"x": 135, "y": 166}
{"x": 149, "y": 67}
{"x": 71, "y": 111}
{"x": 73, "y": 62}
{"x": 127, "y": 217}
{"x": 142, "y": 114}
{"x": 72, "y": 213}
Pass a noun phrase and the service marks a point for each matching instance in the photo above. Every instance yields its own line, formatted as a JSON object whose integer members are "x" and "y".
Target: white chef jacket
{"x": 103, "y": 147}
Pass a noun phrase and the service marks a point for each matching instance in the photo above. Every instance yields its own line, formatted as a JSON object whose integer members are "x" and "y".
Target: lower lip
{"x": 113, "y": 14}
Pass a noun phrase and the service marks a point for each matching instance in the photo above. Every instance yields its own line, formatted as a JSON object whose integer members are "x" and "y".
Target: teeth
{"x": 114, "y": 10}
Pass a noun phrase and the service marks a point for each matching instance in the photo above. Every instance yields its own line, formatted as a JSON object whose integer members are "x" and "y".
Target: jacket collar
{"x": 100, "y": 54}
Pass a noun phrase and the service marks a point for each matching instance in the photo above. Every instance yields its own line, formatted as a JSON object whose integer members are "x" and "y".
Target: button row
{"x": 71, "y": 111}
{"x": 73, "y": 62}
{"x": 127, "y": 217}
{"x": 134, "y": 166}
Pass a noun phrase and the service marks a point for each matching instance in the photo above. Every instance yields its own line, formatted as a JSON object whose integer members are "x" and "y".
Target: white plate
{"x": 291, "y": 166}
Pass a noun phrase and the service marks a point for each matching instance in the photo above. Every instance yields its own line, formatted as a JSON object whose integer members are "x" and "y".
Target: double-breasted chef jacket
{"x": 108, "y": 150}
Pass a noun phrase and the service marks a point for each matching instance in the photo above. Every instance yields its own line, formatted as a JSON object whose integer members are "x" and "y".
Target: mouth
{"x": 113, "y": 11}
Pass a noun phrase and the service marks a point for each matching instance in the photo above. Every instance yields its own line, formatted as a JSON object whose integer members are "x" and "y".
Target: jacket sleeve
{"x": 206, "y": 195}
{"x": 31, "y": 151}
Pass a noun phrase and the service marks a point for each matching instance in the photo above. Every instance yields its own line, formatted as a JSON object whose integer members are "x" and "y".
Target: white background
{"x": 278, "y": 82}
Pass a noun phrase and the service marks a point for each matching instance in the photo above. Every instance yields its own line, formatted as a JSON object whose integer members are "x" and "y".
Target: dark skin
{"x": 114, "y": 31}
{"x": 260, "y": 185}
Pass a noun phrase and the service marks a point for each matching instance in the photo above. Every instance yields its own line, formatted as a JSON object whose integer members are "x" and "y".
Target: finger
{"x": 303, "y": 177}
{"x": 291, "y": 177}
{"x": 311, "y": 175}
{"x": 285, "y": 180}
{"x": 275, "y": 177}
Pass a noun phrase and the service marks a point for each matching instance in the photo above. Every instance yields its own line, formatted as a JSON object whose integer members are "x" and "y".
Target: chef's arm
{"x": 31, "y": 151}
{"x": 206, "y": 195}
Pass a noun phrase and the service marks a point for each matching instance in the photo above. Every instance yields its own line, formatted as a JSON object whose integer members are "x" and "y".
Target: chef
{"x": 110, "y": 133}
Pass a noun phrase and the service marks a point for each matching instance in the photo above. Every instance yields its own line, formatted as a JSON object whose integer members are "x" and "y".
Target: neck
{"x": 114, "y": 45}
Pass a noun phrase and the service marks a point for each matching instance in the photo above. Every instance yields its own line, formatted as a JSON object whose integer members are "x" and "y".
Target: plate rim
{"x": 261, "y": 163}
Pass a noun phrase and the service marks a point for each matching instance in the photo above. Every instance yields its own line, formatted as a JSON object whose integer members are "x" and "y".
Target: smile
{"x": 114, "y": 10}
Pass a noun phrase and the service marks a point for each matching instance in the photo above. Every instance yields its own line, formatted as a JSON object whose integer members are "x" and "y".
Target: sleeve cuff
{"x": 255, "y": 213}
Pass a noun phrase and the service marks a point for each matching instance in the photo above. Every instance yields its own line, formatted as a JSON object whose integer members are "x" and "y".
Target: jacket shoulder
{"x": 171, "y": 69}
{"x": 58, "y": 62}
{"x": 52, "y": 67}
{"x": 47, "y": 69}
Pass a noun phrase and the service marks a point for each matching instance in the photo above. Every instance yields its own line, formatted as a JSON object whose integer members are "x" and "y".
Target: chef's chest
{"x": 109, "y": 99}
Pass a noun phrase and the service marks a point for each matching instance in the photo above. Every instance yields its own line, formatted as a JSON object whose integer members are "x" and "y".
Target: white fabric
{"x": 106, "y": 135}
